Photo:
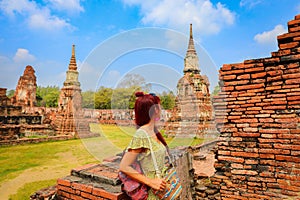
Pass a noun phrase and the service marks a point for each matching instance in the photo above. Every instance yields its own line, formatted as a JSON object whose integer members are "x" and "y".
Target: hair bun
{"x": 139, "y": 94}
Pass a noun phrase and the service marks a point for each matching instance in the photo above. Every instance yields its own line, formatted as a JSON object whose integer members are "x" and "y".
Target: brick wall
{"x": 100, "y": 181}
{"x": 258, "y": 116}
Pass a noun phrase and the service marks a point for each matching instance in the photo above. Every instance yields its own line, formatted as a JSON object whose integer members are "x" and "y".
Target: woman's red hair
{"x": 144, "y": 110}
{"x": 143, "y": 107}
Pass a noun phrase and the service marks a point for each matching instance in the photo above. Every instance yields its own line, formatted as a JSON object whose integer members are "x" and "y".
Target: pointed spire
{"x": 72, "y": 73}
{"x": 191, "y": 47}
{"x": 191, "y": 62}
{"x": 73, "y": 65}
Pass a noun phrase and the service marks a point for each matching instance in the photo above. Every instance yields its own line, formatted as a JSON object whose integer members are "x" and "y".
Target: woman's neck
{"x": 149, "y": 127}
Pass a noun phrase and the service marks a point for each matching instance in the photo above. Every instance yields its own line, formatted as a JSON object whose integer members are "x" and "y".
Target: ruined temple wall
{"x": 100, "y": 181}
{"x": 258, "y": 116}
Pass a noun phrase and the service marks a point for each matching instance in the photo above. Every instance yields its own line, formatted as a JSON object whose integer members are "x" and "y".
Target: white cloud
{"x": 249, "y": 3}
{"x": 206, "y": 17}
{"x": 47, "y": 22}
{"x": 71, "y": 6}
{"x": 11, "y": 7}
{"x": 270, "y": 37}
{"x": 36, "y": 17}
{"x": 23, "y": 56}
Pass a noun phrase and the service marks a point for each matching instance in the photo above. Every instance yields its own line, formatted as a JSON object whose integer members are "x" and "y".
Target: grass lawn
{"x": 31, "y": 167}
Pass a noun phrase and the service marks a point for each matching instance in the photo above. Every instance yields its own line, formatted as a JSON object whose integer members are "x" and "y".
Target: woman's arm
{"x": 125, "y": 167}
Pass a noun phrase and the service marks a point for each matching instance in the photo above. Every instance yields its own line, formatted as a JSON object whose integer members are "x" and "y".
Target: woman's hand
{"x": 157, "y": 184}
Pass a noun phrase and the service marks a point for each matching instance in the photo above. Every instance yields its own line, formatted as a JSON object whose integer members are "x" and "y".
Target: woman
{"x": 147, "y": 111}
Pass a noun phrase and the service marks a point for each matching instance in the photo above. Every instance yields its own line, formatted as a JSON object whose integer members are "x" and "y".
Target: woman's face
{"x": 155, "y": 112}
{"x": 158, "y": 112}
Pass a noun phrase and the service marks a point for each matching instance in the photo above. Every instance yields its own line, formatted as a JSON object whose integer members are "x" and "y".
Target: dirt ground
{"x": 205, "y": 166}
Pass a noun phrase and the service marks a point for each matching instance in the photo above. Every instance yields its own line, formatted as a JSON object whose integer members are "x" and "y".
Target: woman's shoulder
{"x": 140, "y": 133}
{"x": 139, "y": 140}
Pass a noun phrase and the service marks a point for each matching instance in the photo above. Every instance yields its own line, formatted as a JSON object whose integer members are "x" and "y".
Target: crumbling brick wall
{"x": 100, "y": 181}
{"x": 258, "y": 116}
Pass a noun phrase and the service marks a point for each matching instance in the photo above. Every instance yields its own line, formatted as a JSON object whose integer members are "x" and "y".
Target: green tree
{"x": 167, "y": 100}
{"x": 10, "y": 93}
{"x": 47, "y": 96}
{"x": 88, "y": 99}
{"x": 103, "y": 98}
{"x": 124, "y": 98}
{"x": 216, "y": 91}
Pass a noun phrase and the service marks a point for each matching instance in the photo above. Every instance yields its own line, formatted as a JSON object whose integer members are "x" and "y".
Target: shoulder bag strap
{"x": 157, "y": 172}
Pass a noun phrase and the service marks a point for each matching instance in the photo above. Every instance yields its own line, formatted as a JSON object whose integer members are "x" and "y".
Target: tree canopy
{"x": 121, "y": 97}
{"x": 47, "y": 96}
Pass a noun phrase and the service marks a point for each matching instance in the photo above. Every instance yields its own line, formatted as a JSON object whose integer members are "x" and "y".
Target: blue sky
{"x": 145, "y": 37}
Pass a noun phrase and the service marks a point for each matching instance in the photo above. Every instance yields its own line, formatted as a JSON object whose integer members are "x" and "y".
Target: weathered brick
{"x": 275, "y": 151}
{"x": 293, "y": 81}
{"x": 281, "y": 52}
{"x": 232, "y": 72}
{"x": 255, "y": 69}
{"x": 289, "y": 136}
{"x": 66, "y": 189}
{"x": 227, "y": 153}
{"x": 286, "y": 120}
{"x": 291, "y": 76}
{"x": 245, "y": 154}
{"x": 244, "y": 172}
{"x": 269, "y": 135}
{"x": 243, "y": 76}
{"x": 63, "y": 182}
{"x": 287, "y": 146}
{"x": 82, "y": 187}
{"x": 228, "y": 88}
{"x": 258, "y": 75}
{"x": 289, "y": 45}
{"x": 274, "y": 131}
{"x": 87, "y": 195}
{"x": 266, "y": 120}
{"x": 250, "y": 131}
{"x": 267, "y": 156}
{"x": 61, "y": 193}
{"x": 77, "y": 197}
{"x": 250, "y": 120}
{"x": 231, "y": 159}
{"x": 283, "y": 107}
{"x": 250, "y": 86}
{"x": 287, "y": 158}
{"x": 274, "y": 73}
{"x": 237, "y": 166}
{"x": 103, "y": 193}
{"x": 228, "y": 77}
{"x": 295, "y": 153}
{"x": 272, "y": 88}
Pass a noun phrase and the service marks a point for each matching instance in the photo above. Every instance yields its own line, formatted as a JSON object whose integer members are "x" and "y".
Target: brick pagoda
{"x": 192, "y": 114}
{"x": 69, "y": 119}
{"x": 25, "y": 94}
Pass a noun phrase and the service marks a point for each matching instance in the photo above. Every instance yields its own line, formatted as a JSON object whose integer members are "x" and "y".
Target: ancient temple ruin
{"x": 69, "y": 119}
{"x": 15, "y": 124}
{"x": 258, "y": 116}
{"x": 25, "y": 94}
{"x": 192, "y": 114}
